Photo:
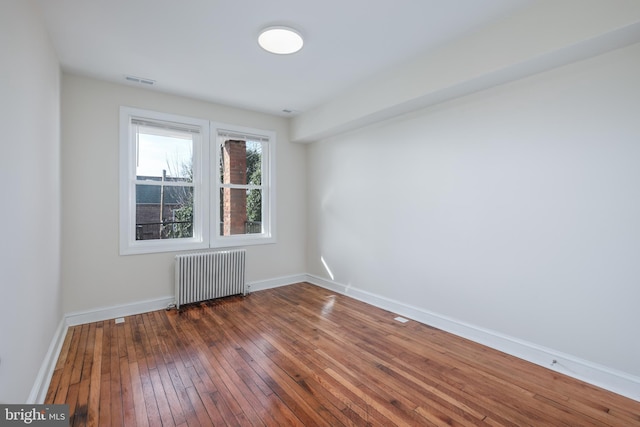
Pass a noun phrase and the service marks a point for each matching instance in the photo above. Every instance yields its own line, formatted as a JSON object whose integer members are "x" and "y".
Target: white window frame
{"x": 206, "y": 184}
{"x": 268, "y": 139}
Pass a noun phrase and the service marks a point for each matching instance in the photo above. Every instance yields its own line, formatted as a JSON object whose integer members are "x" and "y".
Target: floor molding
{"x": 278, "y": 281}
{"x": 618, "y": 382}
{"x": 130, "y": 309}
{"x": 43, "y": 379}
{"x": 106, "y": 313}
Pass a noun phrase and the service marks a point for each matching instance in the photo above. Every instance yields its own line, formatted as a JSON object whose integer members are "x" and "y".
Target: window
{"x": 242, "y": 185}
{"x": 191, "y": 184}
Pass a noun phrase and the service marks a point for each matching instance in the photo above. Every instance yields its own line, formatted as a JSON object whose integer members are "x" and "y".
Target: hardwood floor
{"x": 302, "y": 355}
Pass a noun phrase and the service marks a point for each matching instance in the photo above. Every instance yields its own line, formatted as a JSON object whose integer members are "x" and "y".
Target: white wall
{"x": 93, "y": 272}
{"x": 30, "y": 217}
{"x": 515, "y": 209}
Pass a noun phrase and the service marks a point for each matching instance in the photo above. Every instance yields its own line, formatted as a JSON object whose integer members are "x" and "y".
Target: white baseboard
{"x": 616, "y": 381}
{"x": 277, "y": 282}
{"x": 43, "y": 379}
{"x": 145, "y": 306}
{"x": 106, "y": 313}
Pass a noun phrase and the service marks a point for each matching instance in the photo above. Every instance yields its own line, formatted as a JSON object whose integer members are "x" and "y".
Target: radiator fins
{"x": 203, "y": 276}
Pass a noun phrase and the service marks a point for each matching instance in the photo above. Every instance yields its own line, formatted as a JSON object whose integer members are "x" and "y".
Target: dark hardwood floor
{"x": 303, "y": 355}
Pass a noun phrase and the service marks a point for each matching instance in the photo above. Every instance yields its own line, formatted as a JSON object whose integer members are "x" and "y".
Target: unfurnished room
{"x": 411, "y": 213}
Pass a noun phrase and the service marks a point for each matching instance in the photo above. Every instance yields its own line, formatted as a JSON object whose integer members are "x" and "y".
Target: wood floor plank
{"x": 161, "y": 398}
{"x": 175, "y": 406}
{"x": 72, "y": 400}
{"x": 153, "y": 411}
{"x": 203, "y": 415}
{"x": 206, "y": 408}
{"x": 76, "y": 372}
{"x": 104, "y": 402}
{"x": 126, "y": 404}
{"x": 65, "y": 377}
{"x": 303, "y": 355}
{"x": 118, "y": 384}
{"x": 87, "y": 362}
{"x": 137, "y": 411}
{"x": 106, "y": 347}
{"x": 82, "y": 405}
{"x": 93, "y": 408}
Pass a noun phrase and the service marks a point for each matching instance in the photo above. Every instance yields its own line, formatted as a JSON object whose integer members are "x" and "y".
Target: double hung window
{"x": 187, "y": 183}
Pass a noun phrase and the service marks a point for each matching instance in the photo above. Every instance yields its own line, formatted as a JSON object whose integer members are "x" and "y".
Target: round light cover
{"x": 280, "y": 40}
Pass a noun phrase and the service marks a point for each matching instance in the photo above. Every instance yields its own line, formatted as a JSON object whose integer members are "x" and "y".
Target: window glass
{"x": 164, "y": 152}
{"x": 240, "y": 199}
{"x": 240, "y": 162}
{"x": 241, "y": 211}
{"x": 163, "y": 212}
{"x": 164, "y": 163}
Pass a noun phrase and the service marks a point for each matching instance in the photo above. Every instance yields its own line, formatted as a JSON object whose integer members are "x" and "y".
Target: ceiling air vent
{"x": 140, "y": 80}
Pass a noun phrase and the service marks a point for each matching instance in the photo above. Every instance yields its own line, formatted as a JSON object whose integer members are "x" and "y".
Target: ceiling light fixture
{"x": 280, "y": 40}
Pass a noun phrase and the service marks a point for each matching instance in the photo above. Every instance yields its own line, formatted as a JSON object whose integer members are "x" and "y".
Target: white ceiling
{"x": 207, "y": 49}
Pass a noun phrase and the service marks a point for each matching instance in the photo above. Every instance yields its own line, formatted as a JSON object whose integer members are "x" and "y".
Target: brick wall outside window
{"x": 234, "y": 211}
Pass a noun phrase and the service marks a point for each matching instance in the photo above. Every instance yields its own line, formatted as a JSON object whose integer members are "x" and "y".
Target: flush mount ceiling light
{"x": 280, "y": 40}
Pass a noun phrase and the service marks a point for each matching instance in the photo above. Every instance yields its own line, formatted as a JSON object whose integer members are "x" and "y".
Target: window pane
{"x": 254, "y": 163}
{"x": 164, "y": 151}
{"x": 241, "y": 162}
{"x": 163, "y": 212}
{"x": 240, "y": 211}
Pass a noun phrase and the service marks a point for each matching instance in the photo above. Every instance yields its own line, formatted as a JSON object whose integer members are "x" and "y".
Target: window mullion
{"x": 243, "y": 186}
